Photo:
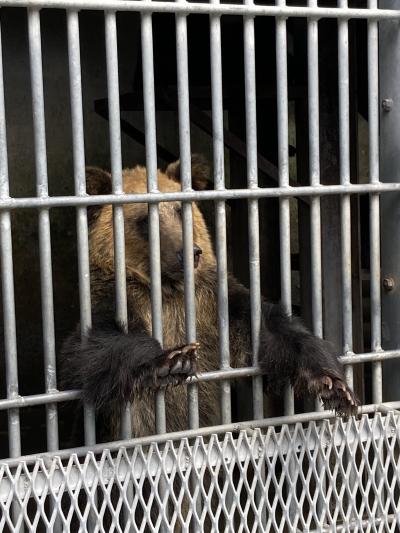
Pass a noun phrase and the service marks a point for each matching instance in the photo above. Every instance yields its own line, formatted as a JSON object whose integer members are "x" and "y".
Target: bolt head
{"x": 387, "y": 104}
{"x": 388, "y": 284}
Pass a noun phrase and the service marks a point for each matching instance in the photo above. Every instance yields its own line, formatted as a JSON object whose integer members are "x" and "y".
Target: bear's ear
{"x": 200, "y": 172}
{"x": 98, "y": 181}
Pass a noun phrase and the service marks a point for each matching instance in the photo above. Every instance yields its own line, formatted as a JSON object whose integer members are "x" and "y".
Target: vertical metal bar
{"x": 35, "y": 53}
{"x": 315, "y": 205}
{"x": 374, "y": 222}
{"x": 46, "y": 276}
{"x": 7, "y": 278}
{"x": 110, "y": 27}
{"x": 345, "y": 208}
{"x": 252, "y": 183}
{"x": 220, "y": 212}
{"x": 345, "y": 215}
{"x": 154, "y": 218}
{"x": 186, "y": 181}
{"x": 152, "y": 186}
{"x": 220, "y": 223}
{"x": 283, "y": 163}
{"x": 187, "y": 219}
{"x": 78, "y": 148}
{"x": 254, "y": 227}
{"x": 7, "y": 285}
{"x": 117, "y": 188}
{"x": 314, "y": 158}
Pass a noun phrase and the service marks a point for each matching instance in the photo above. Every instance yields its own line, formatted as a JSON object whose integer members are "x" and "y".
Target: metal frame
{"x": 43, "y": 203}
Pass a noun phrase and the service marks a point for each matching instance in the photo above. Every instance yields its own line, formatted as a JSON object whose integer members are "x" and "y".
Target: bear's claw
{"x": 174, "y": 366}
{"x": 330, "y": 388}
{"x": 335, "y": 395}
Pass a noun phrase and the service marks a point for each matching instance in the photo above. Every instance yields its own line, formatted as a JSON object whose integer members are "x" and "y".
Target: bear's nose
{"x": 196, "y": 255}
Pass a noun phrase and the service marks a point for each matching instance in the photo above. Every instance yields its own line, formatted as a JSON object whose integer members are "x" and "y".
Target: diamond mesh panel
{"x": 323, "y": 477}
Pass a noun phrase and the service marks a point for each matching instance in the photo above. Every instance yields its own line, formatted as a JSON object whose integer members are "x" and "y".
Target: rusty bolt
{"x": 388, "y": 284}
{"x": 387, "y": 104}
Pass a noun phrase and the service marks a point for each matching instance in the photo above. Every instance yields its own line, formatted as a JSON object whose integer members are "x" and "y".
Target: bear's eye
{"x": 142, "y": 224}
{"x": 178, "y": 211}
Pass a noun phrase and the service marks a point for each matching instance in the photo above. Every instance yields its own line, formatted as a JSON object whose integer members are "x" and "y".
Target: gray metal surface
{"x": 299, "y": 472}
{"x": 389, "y": 79}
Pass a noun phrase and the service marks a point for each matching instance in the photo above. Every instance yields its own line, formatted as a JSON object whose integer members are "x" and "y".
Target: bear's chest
{"x": 173, "y": 318}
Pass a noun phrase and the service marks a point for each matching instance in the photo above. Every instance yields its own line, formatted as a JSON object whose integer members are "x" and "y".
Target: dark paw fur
{"x": 332, "y": 391}
{"x": 174, "y": 366}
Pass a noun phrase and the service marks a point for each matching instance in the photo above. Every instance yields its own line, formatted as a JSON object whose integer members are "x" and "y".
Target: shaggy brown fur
{"x": 288, "y": 352}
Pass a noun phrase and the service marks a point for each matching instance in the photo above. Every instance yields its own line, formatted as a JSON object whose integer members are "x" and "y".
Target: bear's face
{"x": 136, "y": 222}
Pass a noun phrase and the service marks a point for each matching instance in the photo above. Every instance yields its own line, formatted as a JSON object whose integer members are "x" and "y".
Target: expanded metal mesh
{"x": 298, "y": 478}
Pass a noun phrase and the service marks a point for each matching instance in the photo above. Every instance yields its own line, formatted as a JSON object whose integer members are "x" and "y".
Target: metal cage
{"x": 297, "y": 472}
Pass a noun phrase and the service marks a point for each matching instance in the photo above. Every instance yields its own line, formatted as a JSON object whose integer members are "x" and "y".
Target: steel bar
{"x": 220, "y": 211}
{"x": 345, "y": 213}
{"x": 154, "y": 227}
{"x": 121, "y": 315}
{"x": 78, "y": 147}
{"x": 7, "y": 280}
{"x": 153, "y": 213}
{"x": 199, "y": 8}
{"x": 196, "y": 196}
{"x": 117, "y": 188}
{"x": 234, "y": 373}
{"x": 187, "y": 222}
{"x": 186, "y": 182}
{"x": 191, "y": 433}
{"x": 253, "y": 212}
{"x": 35, "y": 55}
{"x": 374, "y": 221}
{"x": 283, "y": 167}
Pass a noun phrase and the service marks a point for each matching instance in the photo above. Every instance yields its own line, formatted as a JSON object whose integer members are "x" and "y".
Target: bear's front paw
{"x": 174, "y": 366}
{"x": 335, "y": 395}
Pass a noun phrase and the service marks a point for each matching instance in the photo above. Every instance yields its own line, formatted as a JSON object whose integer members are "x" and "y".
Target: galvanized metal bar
{"x": 186, "y": 182}
{"x": 117, "y": 188}
{"x": 46, "y": 282}
{"x": 154, "y": 220}
{"x": 144, "y": 6}
{"x": 283, "y": 166}
{"x": 7, "y": 284}
{"x": 78, "y": 148}
{"x": 220, "y": 212}
{"x": 314, "y": 162}
{"x": 152, "y": 187}
{"x": 315, "y": 208}
{"x": 234, "y": 373}
{"x": 345, "y": 214}
{"x": 253, "y": 213}
{"x": 196, "y": 196}
{"x": 192, "y": 433}
{"x": 374, "y": 219}
{"x": 187, "y": 224}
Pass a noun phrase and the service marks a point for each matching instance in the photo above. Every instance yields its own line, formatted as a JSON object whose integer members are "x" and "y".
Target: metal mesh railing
{"x": 351, "y": 468}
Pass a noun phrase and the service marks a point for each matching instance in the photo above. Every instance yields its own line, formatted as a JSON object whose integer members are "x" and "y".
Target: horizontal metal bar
{"x": 195, "y": 196}
{"x": 191, "y": 433}
{"x": 144, "y": 6}
{"x": 235, "y": 450}
{"x": 216, "y": 375}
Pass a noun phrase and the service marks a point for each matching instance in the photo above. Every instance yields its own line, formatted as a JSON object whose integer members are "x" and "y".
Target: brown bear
{"x": 112, "y": 366}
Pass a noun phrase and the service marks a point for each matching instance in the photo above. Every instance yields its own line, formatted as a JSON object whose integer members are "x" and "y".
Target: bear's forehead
{"x": 135, "y": 181}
